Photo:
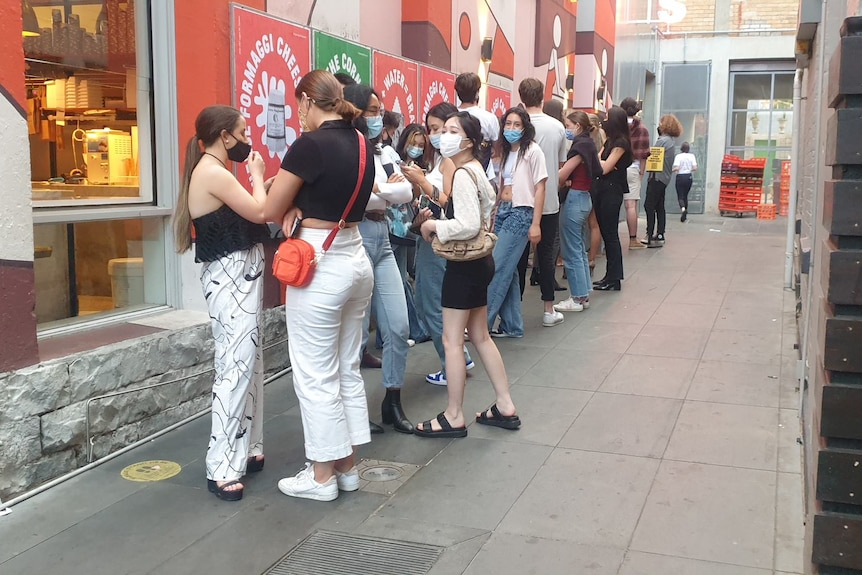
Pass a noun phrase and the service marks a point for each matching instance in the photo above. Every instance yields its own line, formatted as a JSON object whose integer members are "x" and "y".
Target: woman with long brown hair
{"x": 324, "y": 319}
{"x": 228, "y": 228}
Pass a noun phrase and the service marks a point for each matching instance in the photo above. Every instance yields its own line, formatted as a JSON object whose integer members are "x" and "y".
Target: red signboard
{"x": 270, "y": 56}
{"x": 397, "y": 80}
{"x": 498, "y": 100}
{"x": 435, "y": 86}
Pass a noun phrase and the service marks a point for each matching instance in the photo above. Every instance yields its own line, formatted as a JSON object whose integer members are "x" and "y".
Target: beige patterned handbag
{"x": 475, "y": 248}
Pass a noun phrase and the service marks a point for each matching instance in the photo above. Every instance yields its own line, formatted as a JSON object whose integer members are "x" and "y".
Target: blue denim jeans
{"x": 388, "y": 303}
{"x": 573, "y": 215}
{"x": 418, "y": 331}
{"x": 430, "y": 269}
{"x": 512, "y": 227}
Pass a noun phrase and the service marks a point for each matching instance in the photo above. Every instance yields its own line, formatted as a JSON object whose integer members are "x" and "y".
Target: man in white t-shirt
{"x": 551, "y": 138}
{"x": 467, "y": 87}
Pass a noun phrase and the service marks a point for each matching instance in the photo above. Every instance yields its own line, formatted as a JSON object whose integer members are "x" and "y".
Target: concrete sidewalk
{"x": 659, "y": 437}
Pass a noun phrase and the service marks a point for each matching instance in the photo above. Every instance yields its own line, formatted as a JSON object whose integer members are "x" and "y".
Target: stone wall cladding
{"x": 42, "y": 423}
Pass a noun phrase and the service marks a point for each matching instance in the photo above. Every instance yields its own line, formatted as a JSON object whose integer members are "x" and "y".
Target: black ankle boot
{"x": 393, "y": 413}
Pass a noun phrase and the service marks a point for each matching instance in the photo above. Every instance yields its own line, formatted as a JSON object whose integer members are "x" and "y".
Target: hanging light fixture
{"x": 31, "y": 23}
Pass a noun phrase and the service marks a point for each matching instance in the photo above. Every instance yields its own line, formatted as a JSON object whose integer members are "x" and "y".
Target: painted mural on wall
{"x": 397, "y": 81}
{"x": 556, "y": 24}
{"x": 595, "y": 57}
{"x": 270, "y": 56}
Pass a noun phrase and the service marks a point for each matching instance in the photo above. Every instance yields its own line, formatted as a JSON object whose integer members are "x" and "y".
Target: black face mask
{"x": 239, "y": 152}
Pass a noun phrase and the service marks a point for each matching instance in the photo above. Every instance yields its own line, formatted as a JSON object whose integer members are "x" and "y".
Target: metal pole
{"x": 794, "y": 171}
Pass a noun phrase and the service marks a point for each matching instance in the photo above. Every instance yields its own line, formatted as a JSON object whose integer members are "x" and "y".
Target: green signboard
{"x": 338, "y": 55}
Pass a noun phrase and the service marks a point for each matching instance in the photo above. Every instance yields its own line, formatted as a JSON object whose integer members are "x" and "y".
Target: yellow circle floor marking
{"x": 155, "y": 470}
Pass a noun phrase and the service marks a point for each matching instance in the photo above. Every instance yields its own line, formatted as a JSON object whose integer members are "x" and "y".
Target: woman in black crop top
{"x": 228, "y": 228}
{"x": 616, "y": 157}
{"x": 324, "y": 319}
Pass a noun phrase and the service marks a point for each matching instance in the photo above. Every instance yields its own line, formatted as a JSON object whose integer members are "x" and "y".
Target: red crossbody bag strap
{"x": 343, "y": 221}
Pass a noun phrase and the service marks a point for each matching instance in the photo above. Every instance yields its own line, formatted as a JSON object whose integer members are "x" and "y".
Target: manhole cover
{"x": 328, "y": 553}
{"x": 156, "y": 470}
{"x": 383, "y": 477}
{"x": 380, "y": 473}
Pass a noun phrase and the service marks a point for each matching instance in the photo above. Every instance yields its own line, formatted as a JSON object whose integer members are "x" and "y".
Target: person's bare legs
{"x": 595, "y": 238}
{"x": 454, "y": 322}
{"x": 632, "y": 217}
{"x": 477, "y": 327}
{"x": 324, "y": 470}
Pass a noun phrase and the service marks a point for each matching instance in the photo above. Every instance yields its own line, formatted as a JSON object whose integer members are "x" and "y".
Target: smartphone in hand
{"x": 426, "y": 202}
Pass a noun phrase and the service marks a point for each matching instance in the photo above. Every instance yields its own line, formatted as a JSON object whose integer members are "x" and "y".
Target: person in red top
{"x": 640, "y": 152}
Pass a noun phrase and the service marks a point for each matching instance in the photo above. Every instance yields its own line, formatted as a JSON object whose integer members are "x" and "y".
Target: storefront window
{"x": 86, "y": 132}
{"x": 761, "y": 120}
{"x": 87, "y": 66}
{"x": 88, "y": 268}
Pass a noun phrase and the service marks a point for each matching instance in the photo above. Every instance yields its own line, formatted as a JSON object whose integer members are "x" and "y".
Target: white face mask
{"x": 450, "y": 144}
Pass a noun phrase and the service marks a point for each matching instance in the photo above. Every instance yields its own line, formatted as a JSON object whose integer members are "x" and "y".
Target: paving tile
{"x": 504, "y": 553}
{"x": 670, "y": 341}
{"x": 456, "y": 558}
{"x": 472, "y": 483}
{"x": 743, "y": 346}
{"x": 789, "y": 523}
{"x": 697, "y": 292}
{"x": 637, "y": 563}
{"x": 546, "y": 414}
{"x": 519, "y": 356}
{"x": 43, "y": 516}
{"x": 571, "y": 369}
{"x": 116, "y": 533}
{"x": 636, "y": 312}
{"x": 583, "y": 497}
{"x": 626, "y": 424}
{"x": 711, "y": 513}
{"x": 722, "y": 434}
{"x": 598, "y": 335}
{"x": 279, "y": 396}
{"x": 653, "y": 376}
{"x": 432, "y": 530}
{"x": 685, "y": 315}
{"x": 747, "y": 317}
{"x": 738, "y": 383}
{"x": 789, "y": 449}
{"x": 275, "y": 526}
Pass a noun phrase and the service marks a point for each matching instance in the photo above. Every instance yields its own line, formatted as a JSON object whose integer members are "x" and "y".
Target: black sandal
{"x": 497, "y": 419}
{"x": 225, "y": 494}
{"x": 446, "y": 429}
{"x": 253, "y": 465}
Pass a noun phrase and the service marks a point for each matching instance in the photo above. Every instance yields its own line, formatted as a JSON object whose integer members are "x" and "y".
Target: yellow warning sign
{"x": 155, "y": 470}
{"x": 655, "y": 162}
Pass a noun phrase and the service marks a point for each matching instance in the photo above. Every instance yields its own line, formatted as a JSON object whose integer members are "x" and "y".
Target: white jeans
{"x": 324, "y": 330}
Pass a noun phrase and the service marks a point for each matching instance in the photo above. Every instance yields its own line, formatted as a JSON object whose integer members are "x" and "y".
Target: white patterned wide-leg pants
{"x": 233, "y": 288}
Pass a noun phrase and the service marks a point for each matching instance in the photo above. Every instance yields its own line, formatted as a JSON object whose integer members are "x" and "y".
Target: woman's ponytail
{"x": 182, "y": 217}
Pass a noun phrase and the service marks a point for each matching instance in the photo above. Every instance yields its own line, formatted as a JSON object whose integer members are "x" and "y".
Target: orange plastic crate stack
{"x": 766, "y": 212}
{"x": 784, "y": 197}
{"x": 741, "y": 185}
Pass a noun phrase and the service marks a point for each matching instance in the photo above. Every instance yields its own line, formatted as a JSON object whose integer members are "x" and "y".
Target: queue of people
{"x": 373, "y": 201}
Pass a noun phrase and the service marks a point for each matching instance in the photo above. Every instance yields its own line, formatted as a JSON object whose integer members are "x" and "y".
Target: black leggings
{"x": 654, "y": 207}
{"x": 546, "y": 254}
{"x": 683, "y": 187}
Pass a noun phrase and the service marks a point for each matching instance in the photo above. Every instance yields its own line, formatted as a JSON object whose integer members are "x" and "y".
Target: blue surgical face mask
{"x": 375, "y": 126}
{"x": 570, "y": 134}
{"x": 513, "y": 136}
{"x": 435, "y": 140}
{"x": 415, "y": 152}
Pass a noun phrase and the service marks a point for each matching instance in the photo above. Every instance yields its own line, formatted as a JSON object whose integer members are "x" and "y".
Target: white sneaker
{"x": 347, "y": 481}
{"x": 552, "y": 319}
{"x": 569, "y": 305}
{"x": 411, "y": 342}
{"x": 303, "y": 485}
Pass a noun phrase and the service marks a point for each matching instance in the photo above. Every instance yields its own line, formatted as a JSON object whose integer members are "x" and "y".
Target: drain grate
{"x": 329, "y": 553}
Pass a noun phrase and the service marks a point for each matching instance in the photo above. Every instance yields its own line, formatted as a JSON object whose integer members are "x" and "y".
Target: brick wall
{"x": 747, "y": 15}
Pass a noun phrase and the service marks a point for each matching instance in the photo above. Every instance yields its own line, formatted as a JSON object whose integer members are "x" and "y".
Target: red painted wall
{"x": 203, "y": 79}
{"x": 12, "y": 52}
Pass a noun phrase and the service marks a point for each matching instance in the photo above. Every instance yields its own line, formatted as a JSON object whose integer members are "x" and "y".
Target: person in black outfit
{"x": 612, "y": 184}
